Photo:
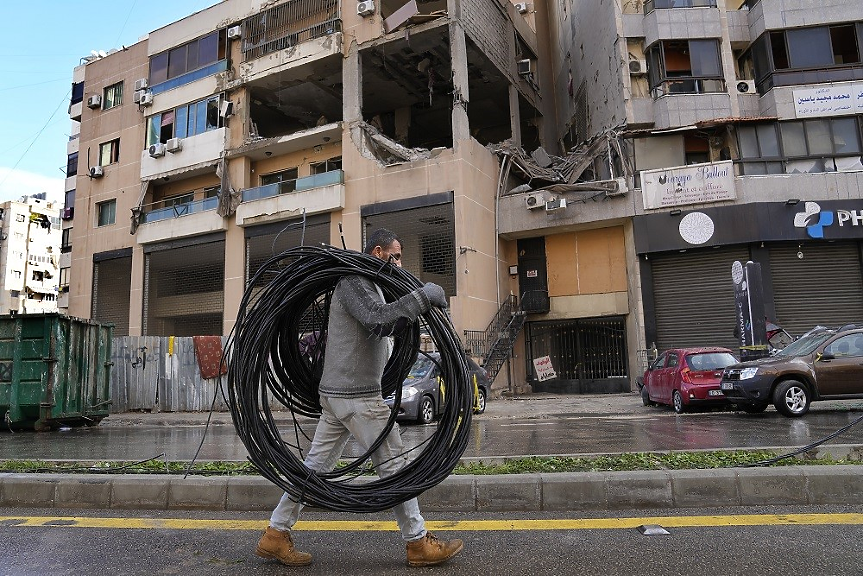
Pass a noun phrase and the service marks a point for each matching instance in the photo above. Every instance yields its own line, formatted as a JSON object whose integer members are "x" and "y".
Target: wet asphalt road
{"x": 643, "y": 430}
{"x": 829, "y": 549}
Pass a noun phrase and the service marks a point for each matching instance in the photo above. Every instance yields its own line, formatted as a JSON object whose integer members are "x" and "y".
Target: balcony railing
{"x": 152, "y": 214}
{"x": 688, "y": 86}
{"x": 651, "y": 5}
{"x": 330, "y": 178}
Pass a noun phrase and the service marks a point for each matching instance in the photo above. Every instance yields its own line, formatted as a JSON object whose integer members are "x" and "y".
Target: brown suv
{"x": 823, "y": 364}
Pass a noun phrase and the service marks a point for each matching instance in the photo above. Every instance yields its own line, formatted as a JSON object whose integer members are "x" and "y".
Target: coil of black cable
{"x": 267, "y": 359}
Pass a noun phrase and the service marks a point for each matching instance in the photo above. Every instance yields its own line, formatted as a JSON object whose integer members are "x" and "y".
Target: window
{"x": 106, "y": 212}
{"x": 684, "y": 67}
{"x": 77, "y": 92}
{"x": 188, "y": 57}
{"x": 113, "y": 96}
{"x": 195, "y": 118}
{"x": 818, "y": 145}
{"x": 109, "y": 152}
{"x": 180, "y": 203}
{"x": 212, "y": 191}
{"x": 327, "y": 165}
{"x": 19, "y": 217}
{"x": 64, "y": 279}
{"x": 66, "y": 241}
{"x": 286, "y": 179}
{"x": 72, "y": 164}
{"x": 69, "y": 201}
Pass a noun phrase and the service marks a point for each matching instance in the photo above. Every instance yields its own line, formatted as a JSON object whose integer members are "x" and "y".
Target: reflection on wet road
{"x": 557, "y": 435}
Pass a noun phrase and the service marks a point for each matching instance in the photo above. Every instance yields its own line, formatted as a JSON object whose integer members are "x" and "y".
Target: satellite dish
{"x": 102, "y": 53}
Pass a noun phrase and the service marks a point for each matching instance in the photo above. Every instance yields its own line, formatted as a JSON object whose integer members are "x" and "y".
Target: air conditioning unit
{"x": 235, "y": 32}
{"x": 94, "y": 101}
{"x": 136, "y": 97}
{"x": 534, "y": 201}
{"x": 146, "y": 99}
{"x": 96, "y": 172}
{"x": 141, "y": 84}
{"x": 157, "y": 150}
{"x": 555, "y": 204}
{"x": 521, "y": 7}
{"x": 366, "y": 8}
{"x": 174, "y": 145}
{"x": 524, "y": 67}
{"x": 637, "y": 67}
{"x": 746, "y": 86}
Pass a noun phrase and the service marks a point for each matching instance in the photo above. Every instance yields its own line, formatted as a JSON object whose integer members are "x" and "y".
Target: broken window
{"x": 184, "y": 121}
{"x": 818, "y": 145}
{"x": 109, "y": 152}
{"x": 684, "y": 67}
{"x": 327, "y": 165}
{"x": 286, "y": 180}
{"x": 112, "y": 96}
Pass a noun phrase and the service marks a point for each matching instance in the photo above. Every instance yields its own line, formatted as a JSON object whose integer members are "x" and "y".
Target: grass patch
{"x": 607, "y": 463}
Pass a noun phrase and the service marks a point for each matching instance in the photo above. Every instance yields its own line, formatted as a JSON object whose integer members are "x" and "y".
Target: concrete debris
{"x": 377, "y": 146}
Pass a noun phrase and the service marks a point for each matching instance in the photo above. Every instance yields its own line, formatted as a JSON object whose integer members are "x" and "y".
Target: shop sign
{"x": 834, "y": 100}
{"x": 694, "y": 184}
{"x": 544, "y": 369}
{"x": 815, "y": 220}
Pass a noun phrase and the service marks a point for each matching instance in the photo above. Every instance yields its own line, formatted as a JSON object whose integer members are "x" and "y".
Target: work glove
{"x": 435, "y": 294}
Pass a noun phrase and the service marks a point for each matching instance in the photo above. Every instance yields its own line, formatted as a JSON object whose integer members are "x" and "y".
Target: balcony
{"x": 198, "y": 155}
{"x": 651, "y": 5}
{"x": 316, "y": 193}
{"x": 159, "y": 222}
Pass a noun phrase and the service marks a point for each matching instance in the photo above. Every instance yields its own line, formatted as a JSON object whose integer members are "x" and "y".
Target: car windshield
{"x": 420, "y": 368}
{"x": 711, "y": 360}
{"x": 806, "y": 344}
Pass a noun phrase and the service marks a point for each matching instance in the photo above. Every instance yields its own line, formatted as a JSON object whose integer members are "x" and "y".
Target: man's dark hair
{"x": 383, "y": 238}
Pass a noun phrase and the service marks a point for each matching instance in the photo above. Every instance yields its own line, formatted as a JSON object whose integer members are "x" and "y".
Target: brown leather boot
{"x": 428, "y": 550}
{"x": 279, "y": 545}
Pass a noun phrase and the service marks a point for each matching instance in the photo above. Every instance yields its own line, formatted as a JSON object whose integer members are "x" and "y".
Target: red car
{"x": 686, "y": 377}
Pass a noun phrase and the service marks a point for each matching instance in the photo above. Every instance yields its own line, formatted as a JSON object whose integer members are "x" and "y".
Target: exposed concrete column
{"x": 514, "y": 115}
{"x": 136, "y": 294}
{"x": 352, "y": 85}
{"x": 461, "y": 93}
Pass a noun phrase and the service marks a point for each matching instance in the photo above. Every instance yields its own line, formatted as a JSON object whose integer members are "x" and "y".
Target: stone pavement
{"x": 667, "y": 489}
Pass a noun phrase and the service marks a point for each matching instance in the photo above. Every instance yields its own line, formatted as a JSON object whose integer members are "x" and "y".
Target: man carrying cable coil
{"x": 358, "y": 347}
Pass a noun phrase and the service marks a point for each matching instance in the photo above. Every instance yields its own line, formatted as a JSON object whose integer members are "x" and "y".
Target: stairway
{"x": 494, "y": 345}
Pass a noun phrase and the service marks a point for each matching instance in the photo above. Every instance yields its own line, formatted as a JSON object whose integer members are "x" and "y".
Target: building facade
{"x": 733, "y": 132}
{"x": 29, "y": 256}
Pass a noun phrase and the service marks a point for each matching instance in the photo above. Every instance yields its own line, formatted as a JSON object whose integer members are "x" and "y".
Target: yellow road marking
{"x": 462, "y": 525}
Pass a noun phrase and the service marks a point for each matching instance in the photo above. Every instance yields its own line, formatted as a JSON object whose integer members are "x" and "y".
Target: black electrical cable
{"x": 266, "y": 360}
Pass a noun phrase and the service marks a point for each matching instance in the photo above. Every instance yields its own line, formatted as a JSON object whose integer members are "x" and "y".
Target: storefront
{"x": 810, "y": 256}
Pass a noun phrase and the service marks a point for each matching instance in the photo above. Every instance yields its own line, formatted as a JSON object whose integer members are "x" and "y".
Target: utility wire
{"x": 266, "y": 361}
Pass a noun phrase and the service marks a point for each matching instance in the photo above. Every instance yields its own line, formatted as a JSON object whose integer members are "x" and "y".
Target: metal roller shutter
{"x": 694, "y": 297}
{"x": 824, "y": 287}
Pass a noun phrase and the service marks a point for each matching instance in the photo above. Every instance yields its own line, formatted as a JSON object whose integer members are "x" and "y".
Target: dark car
{"x": 686, "y": 377}
{"x": 823, "y": 364}
{"x": 424, "y": 395}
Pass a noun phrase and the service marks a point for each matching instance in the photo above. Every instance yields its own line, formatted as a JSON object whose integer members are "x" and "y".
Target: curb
{"x": 795, "y": 485}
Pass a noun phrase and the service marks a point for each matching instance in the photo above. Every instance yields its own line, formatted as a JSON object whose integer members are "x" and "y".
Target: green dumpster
{"x": 54, "y": 371}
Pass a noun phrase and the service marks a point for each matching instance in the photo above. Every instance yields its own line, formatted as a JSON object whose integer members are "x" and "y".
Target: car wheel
{"x": 677, "y": 402}
{"x": 753, "y": 408}
{"x": 791, "y": 398}
{"x": 479, "y": 407}
{"x": 645, "y": 397}
{"x": 426, "y": 411}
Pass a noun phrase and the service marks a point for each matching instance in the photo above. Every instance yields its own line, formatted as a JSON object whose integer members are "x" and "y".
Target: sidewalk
{"x": 790, "y": 485}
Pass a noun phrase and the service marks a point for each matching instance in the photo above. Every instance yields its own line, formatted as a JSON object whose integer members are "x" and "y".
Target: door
{"x": 843, "y": 373}
{"x": 653, "y": 376}
{"x": 668, "y": 376}
{"x": 532, "y": 275}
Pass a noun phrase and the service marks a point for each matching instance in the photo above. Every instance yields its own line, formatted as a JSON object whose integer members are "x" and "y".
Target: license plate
{"x": 715, "y": 393}
{"x": 726, "y": 386}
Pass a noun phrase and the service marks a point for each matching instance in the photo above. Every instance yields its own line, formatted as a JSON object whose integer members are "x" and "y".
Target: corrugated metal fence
{"x": 153, "y": 373}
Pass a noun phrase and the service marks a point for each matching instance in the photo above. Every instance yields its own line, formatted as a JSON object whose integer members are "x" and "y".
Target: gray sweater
{"x": 359, "y": 324}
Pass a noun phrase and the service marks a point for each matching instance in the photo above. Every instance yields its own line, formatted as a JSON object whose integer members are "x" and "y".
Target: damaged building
{"x": 578, "y": 176}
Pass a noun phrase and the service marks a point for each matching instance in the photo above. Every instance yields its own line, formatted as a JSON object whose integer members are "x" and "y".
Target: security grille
{"x": 112, "y": 283}
{"x": 428, "y": 241}
{"x": 288, "y": 24}
{"x": 184, "y": 290}
{"x": 588, "y": 355}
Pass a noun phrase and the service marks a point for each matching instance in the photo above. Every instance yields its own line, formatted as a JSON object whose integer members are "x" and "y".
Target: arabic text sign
{"x": 832, "y": 100}
{"x": 544, "y": 369}
{"x": 694, "y": 184}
